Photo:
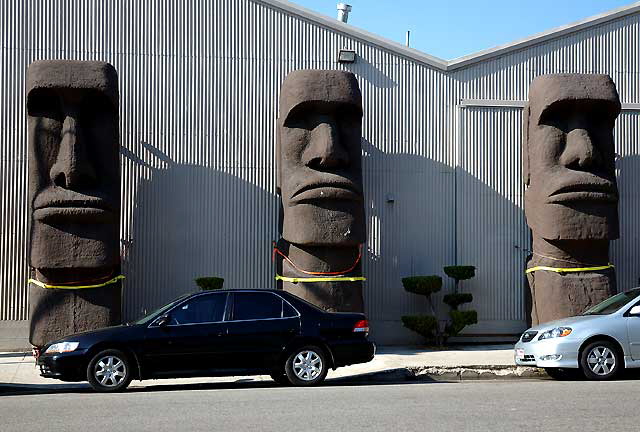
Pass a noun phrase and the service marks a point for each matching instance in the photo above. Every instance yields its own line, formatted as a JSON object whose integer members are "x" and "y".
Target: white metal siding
{"x": 199, "y": 83}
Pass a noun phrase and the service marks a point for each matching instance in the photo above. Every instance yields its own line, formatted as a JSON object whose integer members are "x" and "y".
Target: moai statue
{"x": 571, "y": 200}
{"x": 74, "y": 196}
{"x": 320, "y": 183}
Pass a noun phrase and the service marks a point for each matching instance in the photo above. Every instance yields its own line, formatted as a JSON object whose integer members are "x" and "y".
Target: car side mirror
{"x": 635, "y": 311}
{"x": 163, "y": 320}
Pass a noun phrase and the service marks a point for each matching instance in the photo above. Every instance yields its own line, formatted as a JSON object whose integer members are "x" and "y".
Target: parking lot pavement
{"x": 19, "y": 369}
{"x": 532, "y": 405}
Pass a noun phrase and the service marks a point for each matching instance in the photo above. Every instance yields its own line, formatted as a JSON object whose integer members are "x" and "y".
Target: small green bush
{"x": 460, "y": 272}
{"x": 422, "y": 285}
{"x": 209, "y": 283}
{"x": 455, "y": 300}
{"x": 461, "y": 319}
{"x": 424, "y": 325}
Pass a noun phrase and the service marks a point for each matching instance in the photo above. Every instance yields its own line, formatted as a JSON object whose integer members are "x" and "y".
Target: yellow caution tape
{"x": 44, "y": 285}
{"x": 569, "y": 269}
{"x": 321, "y": 279}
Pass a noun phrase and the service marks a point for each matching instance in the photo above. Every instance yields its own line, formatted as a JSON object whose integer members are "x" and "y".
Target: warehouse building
{"x": 199, "y": 85}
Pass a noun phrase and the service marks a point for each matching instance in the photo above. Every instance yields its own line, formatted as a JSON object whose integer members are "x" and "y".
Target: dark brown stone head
{"x": 568, "y": 157}
{"x": 319, "y": 158}
{"x": 74, "y": 170}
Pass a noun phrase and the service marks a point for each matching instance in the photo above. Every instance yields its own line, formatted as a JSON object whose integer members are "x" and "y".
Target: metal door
{"x": 491, "y": 231}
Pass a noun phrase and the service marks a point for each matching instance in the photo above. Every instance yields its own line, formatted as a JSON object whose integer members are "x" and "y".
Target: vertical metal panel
{"x": 492, "y": 233}
{"x": 625, "y": 253}
{"x": 199, "y": 83}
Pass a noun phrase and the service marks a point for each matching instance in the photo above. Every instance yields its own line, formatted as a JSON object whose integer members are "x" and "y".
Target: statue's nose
{"x": 73, "y": 167}
{"x": 580, "y": 151}
{"x": 325, "y": 151}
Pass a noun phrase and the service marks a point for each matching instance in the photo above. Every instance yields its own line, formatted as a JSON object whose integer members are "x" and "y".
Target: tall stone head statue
{"x": 319, "y": 158}
{"x": 571, "y": 197}
{"x": 568, "y": 157}
{"x": 74, "y": 188}
{"x": 319, "y": 178}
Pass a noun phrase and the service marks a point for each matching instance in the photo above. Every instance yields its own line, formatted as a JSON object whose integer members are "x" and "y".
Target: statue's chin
{"x": 315, "y": 226}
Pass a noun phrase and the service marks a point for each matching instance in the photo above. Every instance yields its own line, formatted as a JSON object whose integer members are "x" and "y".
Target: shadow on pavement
{"x": 14, "y": 354}
{"x": 154, "y": 386}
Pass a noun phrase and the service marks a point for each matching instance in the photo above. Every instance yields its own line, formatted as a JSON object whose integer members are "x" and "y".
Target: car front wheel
{"x": 109, "y": 371}
{"x": 601, "y": 360}
{"x": 306, "y": 366}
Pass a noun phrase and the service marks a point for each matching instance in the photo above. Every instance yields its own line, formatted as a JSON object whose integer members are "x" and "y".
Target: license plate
{"x": 520, "y": 354}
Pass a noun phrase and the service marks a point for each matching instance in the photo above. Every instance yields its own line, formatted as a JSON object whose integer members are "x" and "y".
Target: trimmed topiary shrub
{"x": 424, "y": 325}
{"x": 455, "y": 300}
{"x": 461, "y": 319}
{"x": 460, "y": 273}
{"x": 422, "y": 285}
{"x": 209, "y": 283}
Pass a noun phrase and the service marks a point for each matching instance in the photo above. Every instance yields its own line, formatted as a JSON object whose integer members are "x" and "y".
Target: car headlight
{"x": 62, "y": 347}
{"x": 556, "y": 332}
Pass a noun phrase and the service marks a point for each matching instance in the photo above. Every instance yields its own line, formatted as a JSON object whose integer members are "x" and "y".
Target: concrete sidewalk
{"x": 390, "y": 364}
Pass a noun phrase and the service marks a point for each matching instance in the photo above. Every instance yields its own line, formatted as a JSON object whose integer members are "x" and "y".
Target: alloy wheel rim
{"x": 110, "y": 371}
{"x": 601, "y": 360}
{"x": 307, "y": 365}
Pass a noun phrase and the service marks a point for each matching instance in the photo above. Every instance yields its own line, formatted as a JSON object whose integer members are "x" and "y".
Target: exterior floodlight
{"x": 346, "y": 56}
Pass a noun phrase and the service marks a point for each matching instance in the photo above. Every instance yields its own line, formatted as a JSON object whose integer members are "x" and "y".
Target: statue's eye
{"x": 44, "y": 103}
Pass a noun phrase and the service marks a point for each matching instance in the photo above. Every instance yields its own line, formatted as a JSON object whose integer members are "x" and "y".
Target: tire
{"x": 306, "y": 366}
{"x": 109, "y": 371}
{"x": 280, "y": 378}
{"x": 563, "y": 374}
{"x": 601, "y": 360}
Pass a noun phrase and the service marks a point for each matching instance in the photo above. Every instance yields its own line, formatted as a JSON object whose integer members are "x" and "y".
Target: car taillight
{"x": 361, "y": 326}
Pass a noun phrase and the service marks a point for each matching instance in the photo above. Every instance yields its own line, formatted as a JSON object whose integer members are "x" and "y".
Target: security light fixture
{"x": 346, "y": 56}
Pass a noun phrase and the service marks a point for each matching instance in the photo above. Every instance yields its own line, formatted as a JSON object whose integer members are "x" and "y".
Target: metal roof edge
{"x": 350, "y": 30}
{"x": 460, "y": 62}
{"x": 544, "y": 36}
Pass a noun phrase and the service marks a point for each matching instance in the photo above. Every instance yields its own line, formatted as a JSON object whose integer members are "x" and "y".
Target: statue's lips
{"x": 585, "y": 192}
{"x": 89, "y": 211}
{"x": 328, "y": 191}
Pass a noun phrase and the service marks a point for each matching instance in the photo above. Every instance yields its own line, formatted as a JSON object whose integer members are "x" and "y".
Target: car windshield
{"x": 613, "y": 304}
{"x": 150, "y": 316}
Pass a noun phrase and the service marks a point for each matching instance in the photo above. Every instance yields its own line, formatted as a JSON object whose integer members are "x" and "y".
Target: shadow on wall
{"x": 367, "y": 71}
{"x": 625, "y": 253}
{"x": 412, "y": 231}
{"x": 190, "y": 221}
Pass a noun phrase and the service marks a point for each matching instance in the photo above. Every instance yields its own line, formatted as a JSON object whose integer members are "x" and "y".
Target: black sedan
{"x": 219, "y": 333}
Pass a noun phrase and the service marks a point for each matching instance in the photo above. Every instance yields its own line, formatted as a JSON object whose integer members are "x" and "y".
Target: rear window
{"x": 255, "y": 305}
{"x": 288, "y": 310}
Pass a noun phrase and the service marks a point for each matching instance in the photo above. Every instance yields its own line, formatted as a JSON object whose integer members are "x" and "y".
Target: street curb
{"x": 446, "y": 373}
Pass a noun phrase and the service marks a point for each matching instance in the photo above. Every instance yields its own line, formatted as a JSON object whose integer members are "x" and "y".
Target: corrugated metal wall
{"x": 199, "y": 83}
{"x": 492, "y": 233}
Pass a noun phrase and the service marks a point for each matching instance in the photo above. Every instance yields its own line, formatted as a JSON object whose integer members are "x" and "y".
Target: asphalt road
{"x": 518, "y": 405}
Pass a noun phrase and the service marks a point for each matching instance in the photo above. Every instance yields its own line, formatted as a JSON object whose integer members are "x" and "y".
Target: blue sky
{"x": 453, "y": 28}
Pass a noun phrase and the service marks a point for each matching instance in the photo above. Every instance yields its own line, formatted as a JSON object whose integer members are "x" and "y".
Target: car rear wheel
{"x": 601, "y": 360}
{"x": 306, "y": 366}
{"x": 109, "y": 371}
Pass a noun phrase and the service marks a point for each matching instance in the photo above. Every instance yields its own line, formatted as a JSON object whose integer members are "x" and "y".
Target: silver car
{"x": 599, "y": 343}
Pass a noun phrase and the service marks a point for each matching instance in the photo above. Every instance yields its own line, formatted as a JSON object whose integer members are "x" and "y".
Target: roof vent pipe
{"x": 343, "y": 12}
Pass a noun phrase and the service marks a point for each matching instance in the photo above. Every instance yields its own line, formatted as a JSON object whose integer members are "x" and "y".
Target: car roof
{"x": 240, "y": 290}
